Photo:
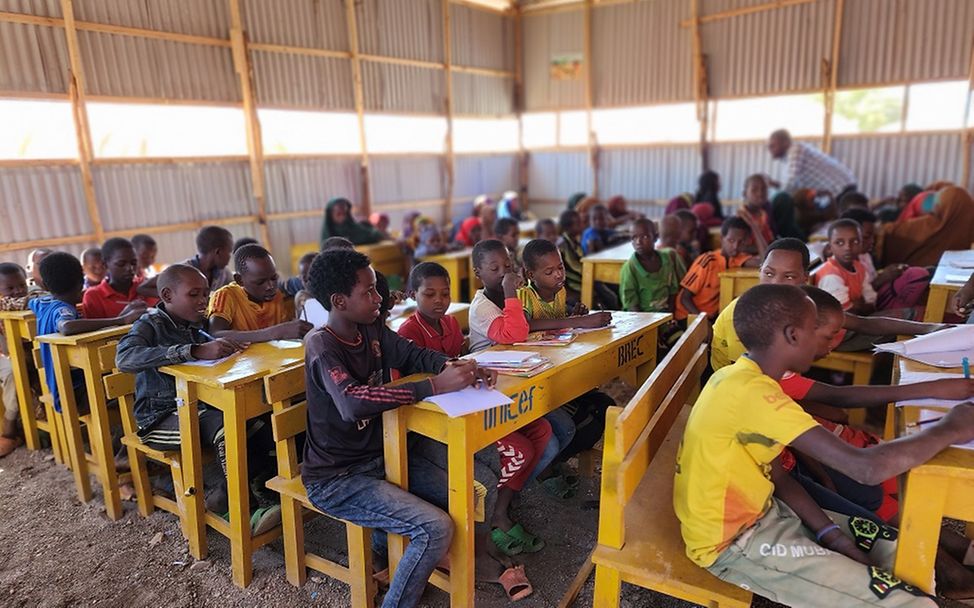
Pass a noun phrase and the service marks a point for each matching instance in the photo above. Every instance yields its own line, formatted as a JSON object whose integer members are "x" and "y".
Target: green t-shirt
{"x": 651, "y": 291}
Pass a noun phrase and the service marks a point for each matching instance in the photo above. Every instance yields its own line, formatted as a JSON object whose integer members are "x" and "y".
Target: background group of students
{"x": 199, "y": 309}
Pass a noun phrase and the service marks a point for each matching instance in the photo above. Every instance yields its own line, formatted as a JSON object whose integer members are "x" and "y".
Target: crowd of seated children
{"x": 94, "y": 266}
{"x": 756, "y": 210}
{"x": 619, "y": 213}
{"x": 734, "y": 499}
{"x": 252, "y": 308}
{"x": 700, "y": 288}
{"x": 120, "y": 288}
{"x": 650, "y": 278}
{"x": 146, "y": 251}
{"x": 338, "y": 221}
{"x": 694, "y": 236}
{"x": 599, "y": 235}
{"x": 13, "y": 296}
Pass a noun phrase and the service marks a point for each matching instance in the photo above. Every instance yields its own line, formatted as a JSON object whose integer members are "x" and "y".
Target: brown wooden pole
{"x": 351, "y": 23}
{"x": 448, "y": 76}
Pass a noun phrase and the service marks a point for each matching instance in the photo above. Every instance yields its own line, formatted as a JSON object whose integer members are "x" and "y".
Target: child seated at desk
{"x": 120, "y": 288}
{"x": 546, "y": 229}
{"x": 94, "y": 266}
{"x": 58, "y": 313}
{"x": 508, "y": 232}
{"x": 252, "y": 308}
{"x": 35, "y": 284}
{"x": 756, "y": 210}
{"x": 734, "y": 500}
{"x": 470, "y": 232}
{"x": 430, "y": 242}
{"x": 146, "y": 250}
{"x": 570, "y": 225}
{"x": 843, "y": 275}
{"x": 520, "y": 452}
{"x": 700, "y": 288}
{"x": 13, "y": 296}
{"x": 650, "y": 278}
{"x": 694, "y": 236}
{"x": 599, "y": 235}
{"x": 347, "y": 363}
{"x": 214, "y": 248}
{"x": 172, "y": 333}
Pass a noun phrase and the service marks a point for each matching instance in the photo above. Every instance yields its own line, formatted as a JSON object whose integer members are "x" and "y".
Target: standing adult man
{"x": 809, "y": 167}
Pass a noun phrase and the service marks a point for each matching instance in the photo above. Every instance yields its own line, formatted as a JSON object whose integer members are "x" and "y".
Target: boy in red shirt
{"x": 109, "y": 298}
{"x": 843, "y": 275}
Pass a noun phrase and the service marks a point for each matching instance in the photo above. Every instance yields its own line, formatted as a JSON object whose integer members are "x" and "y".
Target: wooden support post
{"x": 79, "y": 112}
{"x": 448, "y": 75}
{"x": 700, "y": 87}
{"x": 593, "y": 148}
{"x": 352, "y": 24}
{"x": 522, "y": 155}
{"x": 833, "y": 75}
{"x": 967, "y": 133}
{"x": 255, "y": 143}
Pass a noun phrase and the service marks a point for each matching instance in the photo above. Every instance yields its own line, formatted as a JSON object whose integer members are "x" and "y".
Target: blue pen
{"x": 967, "y": 367}
{"x": 206, "y": 335}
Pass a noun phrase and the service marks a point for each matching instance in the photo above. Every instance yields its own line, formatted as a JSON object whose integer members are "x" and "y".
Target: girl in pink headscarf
{"x": 469, "y": 233}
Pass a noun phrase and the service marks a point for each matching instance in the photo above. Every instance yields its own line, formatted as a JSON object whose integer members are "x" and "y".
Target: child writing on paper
{"x": 172, "y": 333}
{"x": 520, "y": 451}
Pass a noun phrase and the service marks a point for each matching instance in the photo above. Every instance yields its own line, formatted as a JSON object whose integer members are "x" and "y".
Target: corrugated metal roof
{"x": 887, "y": 41}
{"x": 200, "y": 17}
{"x": 132, "y": 196}
{"x": 41, "y": 202}
{"x": 35, "y": 58}
{"x": 398, "y": 178}
{"x": 399, "y": 88}
{"x": 318, "y": 24}
{"x": 44, "y": 8}
{"x": 408, "y": 29}
{"x": 142, "y": 67}
{"x": 735, "y": 161}
{"x": 482, "y": 95}
{"x": 558, "y": 175}
{"x": 883, "y": 164}
{"x": 773, "y": 51}
{"x": 476, "y": 175}
{"x": 547, "y": 36}
{"x": 648, "y": 174}
{"x": 481, "y": 39}
{"x": 641, "y": 54}
{"x": 307, "y": 184}
{"x": 322, "y": 83}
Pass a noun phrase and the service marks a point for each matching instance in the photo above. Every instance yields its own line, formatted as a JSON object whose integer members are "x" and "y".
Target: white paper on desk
{"x": 469, "y": 400}
{"x": 285, "y": 344}
{"x": 931, "y": 415}
{"x": 960, "y": 338}
{"x": 966, "y": 264}
{"x": 957, "y": 278}
{"x": 587, "y": 330}
{"x": 911, "y": 377}
{"x": 210, "y": 362}
{"x": 500, "y": 357}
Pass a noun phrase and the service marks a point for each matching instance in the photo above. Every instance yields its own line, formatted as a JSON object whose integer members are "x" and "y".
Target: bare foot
{"x": 9, "y": 444}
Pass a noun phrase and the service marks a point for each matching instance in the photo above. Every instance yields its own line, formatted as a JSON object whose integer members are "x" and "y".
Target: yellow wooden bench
{"x": 285, "y": 392}
{"x": 639, "y": 539}
{"x": 54, "y": 422}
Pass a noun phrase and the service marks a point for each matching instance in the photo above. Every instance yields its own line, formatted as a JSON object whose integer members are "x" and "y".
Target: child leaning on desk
{"x": 172, "y": 333}
{"x": 348, "y": 364}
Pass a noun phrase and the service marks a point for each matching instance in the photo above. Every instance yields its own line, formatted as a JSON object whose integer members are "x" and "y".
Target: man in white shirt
{"x": 809, "y": 167}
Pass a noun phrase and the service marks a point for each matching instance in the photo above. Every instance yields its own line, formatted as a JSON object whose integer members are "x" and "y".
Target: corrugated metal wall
{"x": 648, "y": 174}
{"x": 547, "y": 36}
{"x": 482, "y": 95}
{"x": 481, "y": 39}
{"x": 326, "y": 82}
{"x": 883, "y": 164}
{"x": 735, "y": 161}
{"x": 558, "y": 175}
{"x": 200, "y": 17}
{"x": 45, "y": 202}
{"x": 317, "y": 24}
{"x": 43, "y": 8}
{"x": 403, "y": 88}
{"x": 408, "y": 29}
{"x": 35, "y": 59}
{"x": 491, "y": 174}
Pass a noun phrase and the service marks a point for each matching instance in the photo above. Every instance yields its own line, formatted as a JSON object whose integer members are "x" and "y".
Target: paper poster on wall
{"x": 566, "y": 66}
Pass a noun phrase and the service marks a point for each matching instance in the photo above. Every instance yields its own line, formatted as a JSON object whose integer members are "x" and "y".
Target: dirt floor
{"x": 59, "y": 552}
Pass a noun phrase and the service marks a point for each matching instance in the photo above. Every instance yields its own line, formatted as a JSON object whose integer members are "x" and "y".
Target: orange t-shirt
{"x": 243, "y": 314}
{"x": 760, "y": 217}
{"x": 702, "y": 280}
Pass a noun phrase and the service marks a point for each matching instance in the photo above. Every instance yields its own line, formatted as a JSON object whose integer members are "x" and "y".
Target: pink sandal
{"x": 516, "y": 583}
{"x": 9, "y": 444}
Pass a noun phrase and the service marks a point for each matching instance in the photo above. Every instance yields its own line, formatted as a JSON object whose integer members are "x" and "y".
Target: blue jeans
{"x": 363, "y": 497}
{"x": 562, "y": 433}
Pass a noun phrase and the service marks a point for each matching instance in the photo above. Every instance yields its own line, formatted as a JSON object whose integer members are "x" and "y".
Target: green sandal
{"x": 557, "y": 486}
{"x": 529, "y": 542}
{"x": 507, "y": 544}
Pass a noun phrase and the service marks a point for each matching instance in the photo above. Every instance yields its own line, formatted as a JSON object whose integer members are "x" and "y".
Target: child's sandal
{"x": 557, "y": 486}
{"x": 507, "y": 544}
{"x": 516, "y": 583}
{"x": 529, "y": 542}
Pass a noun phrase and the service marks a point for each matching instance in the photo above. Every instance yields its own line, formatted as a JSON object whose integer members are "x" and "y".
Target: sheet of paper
{"x": 314, "y": 313}
{"x": 914, "y": 377}
{"x": 469, "y": 400}
{"x": 501, "y": 357}
{"x": 960, "y": 338}
{"x": 286, "y": 344}
{"x": 957, "y": 278}
{"x": 210, "y": 362}
{"x": 929, "y": 416}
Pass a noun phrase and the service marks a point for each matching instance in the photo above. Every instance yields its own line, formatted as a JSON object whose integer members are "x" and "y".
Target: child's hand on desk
{"x": 952, "y": 389}
{"x": 960, "y": 420}
{"x": 456, "y": 375}
{"x": 578, "y": 310}
{"x": 132, "y": 311}
{"x": 596, "y": 319}
{"x": 486, "y": 377}
{"x": 217, "y": 349}
{"x": 292, "y": 330}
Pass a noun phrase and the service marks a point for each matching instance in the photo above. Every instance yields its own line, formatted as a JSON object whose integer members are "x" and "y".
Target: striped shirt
{"x": 809, "y": 167}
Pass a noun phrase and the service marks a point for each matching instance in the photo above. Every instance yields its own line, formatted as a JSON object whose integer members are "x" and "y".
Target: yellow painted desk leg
{"x": 588, "y": 283}
{"x": 101, "y": 432}
{"x": 192, "y": 469}
{"x": 453, "y": 268}
{"x": 16, "y": 347}
{"x": 461, "y": 511}
{"x": 920, "y": 515}
{"x": 936, "y": 305}
{"x": 861, "y": 374}
{"x": 644, "y": 370}
{"x": 397, "y": 472}
{"x": 238, "y": 491}
{"x": 72, "y": 424}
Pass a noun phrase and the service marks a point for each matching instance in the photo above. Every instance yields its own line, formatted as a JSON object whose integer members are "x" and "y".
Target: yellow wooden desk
{"x": 20, "y": 328}
{"x": 236, "y": 388}
{"x": 626, "y": 350}
{"x": 942, "y": 487}
{"x": 603, "y": 266}
{"x": 733, "y": 283}
{"x": 386, "y": 256}
{"x": 460, "y": 266}
{"x": 81, "y": 351}
{"x": 940, "y": 289}
{"x": 459, "y": 310}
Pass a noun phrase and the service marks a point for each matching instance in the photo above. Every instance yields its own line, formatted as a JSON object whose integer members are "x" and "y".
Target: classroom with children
{"x": 455, "y": 303}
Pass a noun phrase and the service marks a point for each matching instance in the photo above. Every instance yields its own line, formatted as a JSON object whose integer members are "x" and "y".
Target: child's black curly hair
{"x": 335, "y": 271}
{"x": 62, "y": 273}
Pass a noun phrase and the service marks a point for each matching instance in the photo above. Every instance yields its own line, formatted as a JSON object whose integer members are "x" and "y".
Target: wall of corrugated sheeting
{"x": 200, "y": 17}
{"x": 43, "y": 201}
{"x": 317, "y": 24}
{"x": 548, "y": 36}
{"x": 885, "y": 163}
{"x": 326, "y": 82}
{"x": 35, "y": 59}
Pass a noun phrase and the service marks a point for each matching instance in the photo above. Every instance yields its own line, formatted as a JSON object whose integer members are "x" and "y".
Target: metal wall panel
{"x": 482, "y": 95}
{"x": 318, "y": 24}
{"x": 199, "y": 17}
{"x": 773, "y": 51}
{"x": 41, "y": 202}
{"x": 43, "y": 8}
{"x": 641, "y": 54}
{"x": 491, "y": 174}
{"x": 33, "y": 58}
{"x": 481, "y": 39}
{"x": 320, "y": 83}
{"x": 140, "y": 195}
{"x": 735, "y": 161}
{"x": 402, "y": 178}
{"x": 286, "y": 233}
{"x": 141, "y": 67}
{"x": 885, "y": 41}
{"x": 648, "y": 174}
{"x": 19, "y": 256}
{"x": 545, "y": 36}
{"x": 883, "y": 164}
{"x": 399, "y": 88}
{"x": 304, "y": 185}
{"x": 558, "y": 175}
{"x": 408, "y": 29}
